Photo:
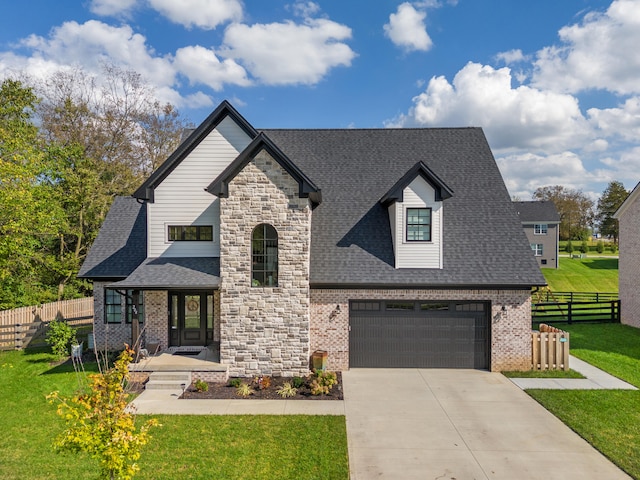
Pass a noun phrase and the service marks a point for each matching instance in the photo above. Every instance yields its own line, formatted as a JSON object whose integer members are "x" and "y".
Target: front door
{"x": 190, "y": 319}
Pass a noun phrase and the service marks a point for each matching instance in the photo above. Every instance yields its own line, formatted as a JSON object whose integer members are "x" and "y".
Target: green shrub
{"x": 287, "y": 390}
{"x": 201, "y": 385}
{"x": 323, "y": 382}
{"x": 235, "y": 382}
{"x": 298, "y": 382}
{"x": 613, "y": 248}
{"x": 60, "y": 337}
{"x": 584, "y": 247}
{"x": 569, "y": 247}
{"x": 600, "y": 247}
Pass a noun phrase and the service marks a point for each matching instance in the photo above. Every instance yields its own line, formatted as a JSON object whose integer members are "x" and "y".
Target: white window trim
{"x": 537, "y": 247}
{"x": 542, "y": 231}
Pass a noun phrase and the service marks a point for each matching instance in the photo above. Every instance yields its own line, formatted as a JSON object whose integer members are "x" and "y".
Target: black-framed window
{"x": 139, "y": 306}
{"x": 190, "y": 233}
{"x": 112, "y": 306}
{"x": 264, "y": 256}
{"x": 418, "y": 225}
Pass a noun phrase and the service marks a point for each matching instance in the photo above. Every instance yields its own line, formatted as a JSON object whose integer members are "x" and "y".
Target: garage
{"x": 419, "y": 334}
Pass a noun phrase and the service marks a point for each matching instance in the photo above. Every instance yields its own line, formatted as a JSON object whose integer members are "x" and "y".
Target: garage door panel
{"x": 419, "y": 339}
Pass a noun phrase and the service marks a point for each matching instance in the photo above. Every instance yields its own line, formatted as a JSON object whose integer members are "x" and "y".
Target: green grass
{"x": 608, "y": 419}
{"x": 583, "y": 275}
{"x": 239, "y": 447}
{"x": 543, "y": 374}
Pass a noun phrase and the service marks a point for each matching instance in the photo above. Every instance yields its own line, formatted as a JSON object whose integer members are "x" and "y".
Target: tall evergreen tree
{"x": 612, "y": 197}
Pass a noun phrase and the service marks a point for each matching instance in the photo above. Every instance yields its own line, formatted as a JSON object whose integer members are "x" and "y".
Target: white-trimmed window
{"x": 418, "y": 225}
{"x": 537, "y": 249}
{"x": 540, "y": 229}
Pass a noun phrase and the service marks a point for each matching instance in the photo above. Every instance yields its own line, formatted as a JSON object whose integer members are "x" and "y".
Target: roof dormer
{"x": 415, "y": 205}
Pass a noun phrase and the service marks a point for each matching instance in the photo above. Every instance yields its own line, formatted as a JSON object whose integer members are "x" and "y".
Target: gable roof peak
{"x": 396, "y": 193}
{"x": 222, "y": 111}
{"x": 306, "y": 188}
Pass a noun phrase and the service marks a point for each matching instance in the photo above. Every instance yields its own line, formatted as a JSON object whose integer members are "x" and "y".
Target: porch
{"x": 200, "y": 362}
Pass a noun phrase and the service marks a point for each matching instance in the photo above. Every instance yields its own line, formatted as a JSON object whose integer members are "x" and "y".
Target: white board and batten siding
{"x": 181, "y": 199}
{"x": 418, "y": 194}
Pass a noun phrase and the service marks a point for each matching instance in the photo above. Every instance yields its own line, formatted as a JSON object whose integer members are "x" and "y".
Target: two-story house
{"x": 541, "y": 223}
{"x": 383, "y": 247}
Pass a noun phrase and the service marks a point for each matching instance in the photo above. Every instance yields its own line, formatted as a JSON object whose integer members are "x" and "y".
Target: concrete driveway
{"x": 458, "y": 424}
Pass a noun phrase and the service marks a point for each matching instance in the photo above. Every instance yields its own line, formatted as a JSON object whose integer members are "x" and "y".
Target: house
{"x": 628, "y": 216}
{"x": 382, "y": 247}
{"x": 541, "y": 223}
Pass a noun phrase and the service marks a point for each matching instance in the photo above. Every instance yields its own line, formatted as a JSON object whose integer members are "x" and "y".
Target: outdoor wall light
{"x": 335, "y": 313}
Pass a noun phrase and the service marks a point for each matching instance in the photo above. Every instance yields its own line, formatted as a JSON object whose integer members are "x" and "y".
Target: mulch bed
{"x": 225, "y": 391}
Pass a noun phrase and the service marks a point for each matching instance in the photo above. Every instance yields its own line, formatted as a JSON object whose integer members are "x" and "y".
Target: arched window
{"x": 264, "y": 256}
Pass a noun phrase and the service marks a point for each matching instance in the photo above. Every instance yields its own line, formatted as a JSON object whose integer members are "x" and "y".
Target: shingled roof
{"x": 351, "y": 244}
{"x": 121, "y": 244}
{"x": 538, "y": 211}
{"x": 484, "y": 245}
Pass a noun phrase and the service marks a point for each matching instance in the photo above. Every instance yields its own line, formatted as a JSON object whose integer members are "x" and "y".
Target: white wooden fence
{"x": 21, "y": 326}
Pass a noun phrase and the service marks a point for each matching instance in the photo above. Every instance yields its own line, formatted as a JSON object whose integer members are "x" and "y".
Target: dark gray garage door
{"x": 419, "y": 334}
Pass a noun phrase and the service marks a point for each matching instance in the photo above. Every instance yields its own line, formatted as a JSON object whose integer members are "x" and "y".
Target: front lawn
{"x": 608, "y": 419}
{"x": 239, "y": 447}
{"x": 583, "y": 275}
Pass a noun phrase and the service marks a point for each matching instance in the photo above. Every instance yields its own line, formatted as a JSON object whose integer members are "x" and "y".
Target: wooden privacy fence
{"x": 550, "y": 349}
{"x": 20, "y": 327}
{"x": 574, "y": 312}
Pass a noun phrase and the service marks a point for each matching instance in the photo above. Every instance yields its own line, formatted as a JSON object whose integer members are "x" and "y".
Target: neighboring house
{"x": 383, "y": 247}
{"x": 628, "y": 216}
{"x": 541, "y": 223}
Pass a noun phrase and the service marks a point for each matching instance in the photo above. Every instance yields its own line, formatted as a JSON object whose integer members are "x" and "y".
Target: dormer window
{"x": 418, "y": 225}
{"x": 540, "y": 229}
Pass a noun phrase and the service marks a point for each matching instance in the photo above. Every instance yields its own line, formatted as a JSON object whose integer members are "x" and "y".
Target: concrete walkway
{"x": 596, "y": 379}
{"x": 459, "y": 424}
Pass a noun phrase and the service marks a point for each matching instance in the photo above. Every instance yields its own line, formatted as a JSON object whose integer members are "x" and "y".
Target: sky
{"x": 554, "y": 84}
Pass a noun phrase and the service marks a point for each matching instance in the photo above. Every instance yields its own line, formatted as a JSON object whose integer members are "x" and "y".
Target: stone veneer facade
{"x": 629, "y": 266}
{"x": 264, "y": 330}
{"x": 510, "y": 329}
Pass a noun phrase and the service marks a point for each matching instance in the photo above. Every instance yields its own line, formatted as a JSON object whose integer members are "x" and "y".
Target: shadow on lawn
{"x": 601, "y": 263}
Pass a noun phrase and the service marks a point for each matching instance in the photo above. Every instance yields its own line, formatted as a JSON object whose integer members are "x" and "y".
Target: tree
{"x": 612, "y": 197}
{"x": 27, "y": 213}
{"x": 574, "y": 207}
{"x": 99, "y": 424}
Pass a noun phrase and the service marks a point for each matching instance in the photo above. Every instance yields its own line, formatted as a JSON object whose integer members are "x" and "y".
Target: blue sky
{"x": 553, "y": 83}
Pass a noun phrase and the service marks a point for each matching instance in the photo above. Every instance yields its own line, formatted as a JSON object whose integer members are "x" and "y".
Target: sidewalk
{"x": 595, "y": 379}
{"x": 153, "y": 402}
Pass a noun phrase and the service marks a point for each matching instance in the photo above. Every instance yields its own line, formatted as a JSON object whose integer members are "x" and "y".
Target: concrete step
{"x": 168, "y": 381}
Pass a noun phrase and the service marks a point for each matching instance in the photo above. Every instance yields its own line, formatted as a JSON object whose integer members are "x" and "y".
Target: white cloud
{"x": 513, "y": 118}
{"x": 406, "y": 28}
{"x": 305, "y": 9}
{"x": 201, "y": 65}
{"x": 524, "y": 173}
{"x": 112, "y": 7}
{"x": 205, "y": 14}
{"x": 511, "y": 56}
{"x": 600, "y": 53}
{"x": 622, "y": 122}
{"x": 289, "y": 53}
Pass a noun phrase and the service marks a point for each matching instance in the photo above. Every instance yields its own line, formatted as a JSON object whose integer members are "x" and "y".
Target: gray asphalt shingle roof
{"x": 537, "y": 211}
{"x": 174, "y": 273}
{"x": 484, "y": 245}
{"x": 121, "y": 244}
{"x": 483, "y": 241}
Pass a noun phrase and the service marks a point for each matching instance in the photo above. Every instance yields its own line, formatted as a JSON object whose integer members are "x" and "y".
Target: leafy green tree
{"x": 574, "y": 207}
{"x": 27, "y": 213}
{"x": 99, "y": 424}
{"x": 612, "y": 197}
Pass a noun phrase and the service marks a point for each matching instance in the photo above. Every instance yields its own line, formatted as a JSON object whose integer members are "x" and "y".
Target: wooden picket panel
{"x": 550, "y": 350}
{"x": 20, "y": 326}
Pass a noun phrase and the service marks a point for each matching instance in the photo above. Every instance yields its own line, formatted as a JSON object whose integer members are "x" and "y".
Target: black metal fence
{"x": 549, "y": 296}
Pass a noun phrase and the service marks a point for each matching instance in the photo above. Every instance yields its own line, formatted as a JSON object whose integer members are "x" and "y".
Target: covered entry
{"x": 190, "y": 318}
{"x": 419, "y": 334}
